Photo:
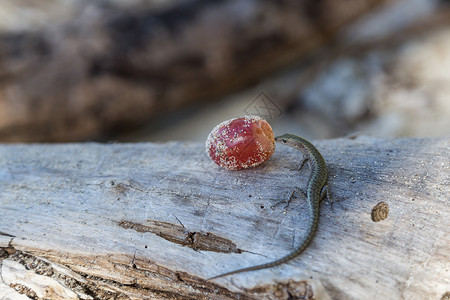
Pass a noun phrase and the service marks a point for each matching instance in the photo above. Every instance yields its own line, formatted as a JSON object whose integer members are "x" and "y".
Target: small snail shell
{"x": 380, "y": 212}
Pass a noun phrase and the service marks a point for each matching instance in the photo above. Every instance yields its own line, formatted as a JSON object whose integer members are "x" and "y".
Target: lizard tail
{"x": 311, "y": 230}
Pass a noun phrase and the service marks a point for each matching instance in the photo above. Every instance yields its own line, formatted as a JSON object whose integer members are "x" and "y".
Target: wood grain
{"x": 136, "y": 221}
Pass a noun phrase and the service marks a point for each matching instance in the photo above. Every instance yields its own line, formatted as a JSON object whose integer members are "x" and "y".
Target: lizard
{"x": 316, "y": 190}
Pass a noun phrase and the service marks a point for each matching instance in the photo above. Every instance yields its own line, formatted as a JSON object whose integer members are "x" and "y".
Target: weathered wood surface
{"x": 155, "y": 220}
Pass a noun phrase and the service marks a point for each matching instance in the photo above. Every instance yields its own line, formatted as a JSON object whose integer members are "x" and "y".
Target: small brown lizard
{"x": 316, "y": 190}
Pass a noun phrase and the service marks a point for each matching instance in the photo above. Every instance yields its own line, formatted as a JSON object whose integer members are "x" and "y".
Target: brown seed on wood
{"x": 380, "y": 212}
{"x": 446, "y": 296}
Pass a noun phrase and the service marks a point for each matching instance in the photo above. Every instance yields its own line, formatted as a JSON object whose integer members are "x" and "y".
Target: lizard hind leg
{"x": 297, "y": 191}
{"x": 326, "y": 193}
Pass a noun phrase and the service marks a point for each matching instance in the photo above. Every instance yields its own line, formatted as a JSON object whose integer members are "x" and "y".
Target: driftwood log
{"x": 137, "y": 221}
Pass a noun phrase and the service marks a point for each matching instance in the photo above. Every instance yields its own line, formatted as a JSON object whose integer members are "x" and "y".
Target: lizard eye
{"x": 284, "y": 141}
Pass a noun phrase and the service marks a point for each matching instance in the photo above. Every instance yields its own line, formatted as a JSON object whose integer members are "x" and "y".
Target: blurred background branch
{"x": 151, "y": 70}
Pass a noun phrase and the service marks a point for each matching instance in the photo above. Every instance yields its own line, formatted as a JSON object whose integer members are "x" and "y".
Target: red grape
{"x": 241, "y": 143}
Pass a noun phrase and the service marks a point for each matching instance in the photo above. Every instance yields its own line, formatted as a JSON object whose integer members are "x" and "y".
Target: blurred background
{"x": 152, "y": 70}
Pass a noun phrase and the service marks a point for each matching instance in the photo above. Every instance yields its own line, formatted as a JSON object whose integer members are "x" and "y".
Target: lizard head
{"x": 287, "y": 139}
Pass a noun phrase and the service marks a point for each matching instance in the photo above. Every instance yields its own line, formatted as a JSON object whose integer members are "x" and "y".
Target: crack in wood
{"x": 146, "y": 282}
{"x": 205, "y": 241}
{"x": 292, "y": 289}
{"x": 41, "y": 267}
{"x": 24, "y": 290}
{"x": 6, "y": 234}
